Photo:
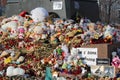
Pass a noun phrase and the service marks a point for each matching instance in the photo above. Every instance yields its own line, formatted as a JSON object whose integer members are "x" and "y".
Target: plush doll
{"x": 59, "y": 50}
{"x": 108, "y": 33}
{"x": 21, "y": 31}
{"x": 5, "y": 20}
{"x": 20, "y": 59}
{"x": 71, "y": 33}
{"x": 12, "y": 71}
{"x": 61, "y": 38}
{"x": 116, "y": 62}
{"x": 70, "y": 26}
{"x": 76, "y": 26}
{"x": 4, "y": 53}
{"x": 77, "y": 40}
{"x": 12, "y": 25}
{"x": 17, "y": 54}
{"x": 64, "y": 67}
{"x": 18, "y": 71}
{"x": 65, "y": 49}
{"x": 21, "y": 44}
{"x": 9, "y": 71}
{"x": 55, "y": 74}
{"x": 38, "y": 31}
{"x": 70, "y": 58}
{"x": 91, "y": 27}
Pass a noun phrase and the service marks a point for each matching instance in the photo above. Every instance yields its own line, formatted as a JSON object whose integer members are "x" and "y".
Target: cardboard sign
{"x": 103, "y": 61}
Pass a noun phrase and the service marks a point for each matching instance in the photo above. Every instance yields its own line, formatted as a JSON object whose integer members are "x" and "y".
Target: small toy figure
{"x": 116, "y": 62}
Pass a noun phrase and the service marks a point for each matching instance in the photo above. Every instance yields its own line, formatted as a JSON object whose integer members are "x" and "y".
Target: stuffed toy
{"x": 64, "y": 65}
{"x": 4, "y": 53}
{"x": 5, "y": 20}
{"x": 61, "y": 78}
{"x": 77, "y": 40}
{"x": 39, "y": 14}
{"x": 38, "y": 32}
{"x": 116, "y": 62}
{"x": 70, "y": 26}
{"x": 14, "y": 58}
{"x": 20, "y": 59}
{"x": 12, "y": 25}
{"x": 59, "y": 50}
{"x": 55, "y": 74}
{"x": 91, "y": 27}
{"x": 12, "y": 71}
{"x": 65, "y": 49}
{"x": 61, "y": 38}
{"x": 9, "y": 71}
{"x": 21, "y": 32}
{"x": 18, "y": 71}
{"x": 76, "y": 26}
{"x": 71, "y": 33}
{"x": 108, "y": 33}
{"x": 52, "y": 28}
{"x": 69, "y": 21}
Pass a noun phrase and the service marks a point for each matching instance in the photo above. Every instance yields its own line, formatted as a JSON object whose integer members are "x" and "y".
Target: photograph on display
{"x": 103, "y": 71}
{"x": 109, "y": 71}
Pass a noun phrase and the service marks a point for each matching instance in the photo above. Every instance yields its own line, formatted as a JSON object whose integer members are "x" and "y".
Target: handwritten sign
{"x": 88, "y": 55}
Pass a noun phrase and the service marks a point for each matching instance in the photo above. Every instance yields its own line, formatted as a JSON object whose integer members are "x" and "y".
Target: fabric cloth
{"x": 48, "y": 75}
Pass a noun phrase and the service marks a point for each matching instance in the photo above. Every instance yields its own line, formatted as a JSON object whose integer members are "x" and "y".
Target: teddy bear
{"x": 11, "y": 56}
{"x": 12, "y": 71}
{"x": 108, "y": 33}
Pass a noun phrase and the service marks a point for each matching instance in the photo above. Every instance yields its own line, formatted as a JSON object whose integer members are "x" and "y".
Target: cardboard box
{"x": 104, "y": 50}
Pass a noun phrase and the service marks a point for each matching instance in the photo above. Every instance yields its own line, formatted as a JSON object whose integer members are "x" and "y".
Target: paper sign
{"x": 88, "y": 55}
{"x": 57, "y": 5}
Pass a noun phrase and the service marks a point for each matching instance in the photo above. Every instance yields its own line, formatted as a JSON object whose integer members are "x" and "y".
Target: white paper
{"x": 57, "y": 5}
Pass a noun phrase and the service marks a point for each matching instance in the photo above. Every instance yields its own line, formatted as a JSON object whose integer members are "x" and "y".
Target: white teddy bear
{"x": 11, "y": 71}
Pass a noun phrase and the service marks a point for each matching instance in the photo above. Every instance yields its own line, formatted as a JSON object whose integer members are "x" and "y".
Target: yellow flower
{"x": 7, "y": 60}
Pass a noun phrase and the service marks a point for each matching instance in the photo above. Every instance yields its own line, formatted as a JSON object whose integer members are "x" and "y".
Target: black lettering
{"x": 90, "y": 52}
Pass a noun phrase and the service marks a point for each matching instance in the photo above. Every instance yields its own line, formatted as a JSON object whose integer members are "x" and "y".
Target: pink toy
{"x": 21, "y": 35}
{"x": 116, "y": 62}
{"x": 21, "y": 30}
